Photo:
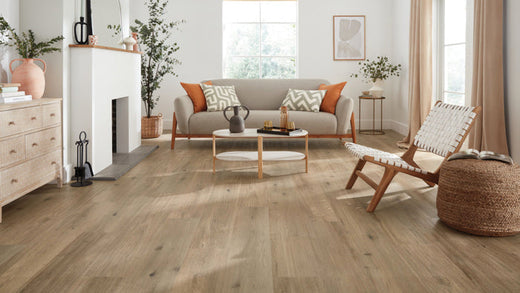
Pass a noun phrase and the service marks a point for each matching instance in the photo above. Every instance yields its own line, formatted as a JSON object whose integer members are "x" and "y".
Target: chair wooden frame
{"x": 340, "y": 137}
{"x": 390, "y": 170}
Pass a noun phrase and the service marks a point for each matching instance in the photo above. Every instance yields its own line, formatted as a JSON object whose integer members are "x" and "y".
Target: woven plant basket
{"x": 151, "y": 127}
{"x": 480, "y": 197}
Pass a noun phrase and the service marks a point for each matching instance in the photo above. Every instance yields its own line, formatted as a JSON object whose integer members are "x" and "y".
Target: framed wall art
{"x": 349, "y": 41}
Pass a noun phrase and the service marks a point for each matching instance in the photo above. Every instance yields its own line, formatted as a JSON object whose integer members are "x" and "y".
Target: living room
{"x": 264, "y": 146}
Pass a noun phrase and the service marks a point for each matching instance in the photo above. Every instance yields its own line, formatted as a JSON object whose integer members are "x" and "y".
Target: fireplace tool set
{"x": 83, "y": 169}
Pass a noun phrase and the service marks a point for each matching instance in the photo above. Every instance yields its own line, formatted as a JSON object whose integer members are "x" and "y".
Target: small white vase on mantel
{"x": 377, "y": 88}
{"x": 129, "y": 43}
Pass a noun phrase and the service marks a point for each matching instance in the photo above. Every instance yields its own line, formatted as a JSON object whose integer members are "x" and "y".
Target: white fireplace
{"x": 98, "y": 76}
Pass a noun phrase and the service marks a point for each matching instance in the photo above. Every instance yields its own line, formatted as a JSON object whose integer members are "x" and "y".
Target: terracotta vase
{"x": 30, "y": 76}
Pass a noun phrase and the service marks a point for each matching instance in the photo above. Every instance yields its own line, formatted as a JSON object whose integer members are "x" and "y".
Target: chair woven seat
{"x": 361, "y": 151}
{"x": 442, "y": 133}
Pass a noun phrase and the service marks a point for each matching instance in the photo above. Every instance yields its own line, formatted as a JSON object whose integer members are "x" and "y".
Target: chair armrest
{"x": 344, "y": 109}
{"x": 183, "y": 107}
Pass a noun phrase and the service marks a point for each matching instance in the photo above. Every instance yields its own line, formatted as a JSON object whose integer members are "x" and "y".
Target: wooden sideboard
{"x": 30, "y": 147}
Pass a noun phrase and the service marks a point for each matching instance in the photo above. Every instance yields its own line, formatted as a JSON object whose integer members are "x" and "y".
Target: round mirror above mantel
{"x": 104, "y": 13}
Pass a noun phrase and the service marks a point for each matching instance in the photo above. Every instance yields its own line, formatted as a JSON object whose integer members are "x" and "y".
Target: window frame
{"x": 439, "y": 49}
{"x": 260, "y": 56}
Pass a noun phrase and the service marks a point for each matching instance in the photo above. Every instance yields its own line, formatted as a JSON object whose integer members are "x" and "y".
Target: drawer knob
{"x": 33, "y": 118}
{"x": 11, "y": 123}
{"x": 53, "y": 138}
{"x": 13, "y": 181}
{"x": 53, "y": 163}
{"x": 53, "y": 115}
{"x": 34, "y": 144}
{"x": 12, "y": 152}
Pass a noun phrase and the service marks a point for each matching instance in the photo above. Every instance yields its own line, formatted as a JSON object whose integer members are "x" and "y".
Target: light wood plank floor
{"x": 170, "y": 225}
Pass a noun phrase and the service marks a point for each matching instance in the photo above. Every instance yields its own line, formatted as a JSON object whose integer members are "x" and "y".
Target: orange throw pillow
{"x": 196, "y": 95}
{"x": 331, "y": 97}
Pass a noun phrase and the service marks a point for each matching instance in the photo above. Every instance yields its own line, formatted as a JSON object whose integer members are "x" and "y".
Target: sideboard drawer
{"x": 42, "y": 142}
{"x": 12, "y": 151}
{"x": 51, "y": 114}
{"x": 16, "y": 121}
{"x": 26, "y": 175}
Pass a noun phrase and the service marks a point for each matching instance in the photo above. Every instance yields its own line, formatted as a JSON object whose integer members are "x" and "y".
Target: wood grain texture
{"x": 170, "y": 225}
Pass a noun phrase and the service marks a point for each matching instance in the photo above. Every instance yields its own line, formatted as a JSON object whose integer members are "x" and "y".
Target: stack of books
{"x": 9, "y": 93}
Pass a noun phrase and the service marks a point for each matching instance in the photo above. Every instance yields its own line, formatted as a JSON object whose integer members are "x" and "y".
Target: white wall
{"x": 200, "y": 40}
{"x": 400, "y": 50}
{"x": 315, "y": 48}
{"x": 10, "y": 11}
{"x": 512, "y": 74}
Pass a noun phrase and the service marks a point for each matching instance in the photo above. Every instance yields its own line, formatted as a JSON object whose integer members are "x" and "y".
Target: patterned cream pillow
{"x": 219, "y": 97}
{"x": 304, "y": 100}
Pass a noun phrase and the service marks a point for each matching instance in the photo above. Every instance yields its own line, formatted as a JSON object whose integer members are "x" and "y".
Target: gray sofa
{"x": 263, "y": 97}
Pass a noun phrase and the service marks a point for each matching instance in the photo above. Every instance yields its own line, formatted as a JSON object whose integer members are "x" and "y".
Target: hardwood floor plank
{"x": 170, "y": 225}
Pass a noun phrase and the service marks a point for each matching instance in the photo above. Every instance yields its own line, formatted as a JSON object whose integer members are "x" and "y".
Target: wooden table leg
{"x": 214, "y": 153}
{"x": 307, "y": 153}
{"x": 260, "y": 162}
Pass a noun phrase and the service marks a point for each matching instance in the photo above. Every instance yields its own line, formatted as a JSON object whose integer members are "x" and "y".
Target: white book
{"x": 15, "y": 94}
{"x": 15, "y": 99}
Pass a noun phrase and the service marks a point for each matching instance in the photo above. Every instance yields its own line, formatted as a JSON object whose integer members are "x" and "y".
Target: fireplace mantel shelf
{"x": 104, "y": 48}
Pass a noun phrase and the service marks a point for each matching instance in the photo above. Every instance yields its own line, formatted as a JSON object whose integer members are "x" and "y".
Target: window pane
{"x": 279, "y": 11}
{"x": 276, "y": 67}
{"x": 278, "y": 39}
{"x": 455, "y": 68}
{"x": 241, "y": 40}
{"x": 456, "y": 99}
{"x": 455, "y": 21}
{"x": 242, "y": 67}
{"x": 240, "y": 11}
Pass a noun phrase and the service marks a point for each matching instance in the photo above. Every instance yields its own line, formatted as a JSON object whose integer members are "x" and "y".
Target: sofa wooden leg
{"x": 353, "y": 127}
{"x": 174, "y": 130}
{"x": 354, "y": 176}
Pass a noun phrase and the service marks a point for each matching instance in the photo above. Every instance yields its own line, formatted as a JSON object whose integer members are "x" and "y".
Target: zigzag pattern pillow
{"x": 304, "y": 100}
{"x": 219, "y": 97}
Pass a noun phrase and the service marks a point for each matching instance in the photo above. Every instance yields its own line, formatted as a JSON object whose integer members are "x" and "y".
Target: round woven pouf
{"x": 480, "y": 197}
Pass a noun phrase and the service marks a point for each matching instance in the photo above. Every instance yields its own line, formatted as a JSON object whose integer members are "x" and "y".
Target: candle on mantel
{"x": 82, "y": 8}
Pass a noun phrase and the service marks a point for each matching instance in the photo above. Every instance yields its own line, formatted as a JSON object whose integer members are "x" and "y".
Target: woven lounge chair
{"x": 443, "y": 133}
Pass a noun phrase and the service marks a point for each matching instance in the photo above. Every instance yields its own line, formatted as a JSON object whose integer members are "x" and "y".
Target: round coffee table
{"x": 259, "y": 155}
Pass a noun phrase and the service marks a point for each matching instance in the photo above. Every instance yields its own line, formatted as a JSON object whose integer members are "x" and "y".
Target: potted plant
{"x": 29, "y": 75}
{"x": 376, "y": 71}
{"x": 157, "y": 62}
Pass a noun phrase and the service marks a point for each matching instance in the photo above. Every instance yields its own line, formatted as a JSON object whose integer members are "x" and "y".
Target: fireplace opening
{"x": 114, "y": 126}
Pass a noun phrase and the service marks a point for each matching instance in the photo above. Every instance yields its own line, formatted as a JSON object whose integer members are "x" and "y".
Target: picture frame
{"x": 349, "y": 37}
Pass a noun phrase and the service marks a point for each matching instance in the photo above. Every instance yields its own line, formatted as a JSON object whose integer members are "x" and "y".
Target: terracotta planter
{"x": 151, "y": 127}
{"x": 30, "y": 76}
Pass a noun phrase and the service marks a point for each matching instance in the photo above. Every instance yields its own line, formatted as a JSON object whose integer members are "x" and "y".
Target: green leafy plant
{"x": 25, "y": 43}
{"x": 381, "y": 68}
{"x": 158, "y": 60}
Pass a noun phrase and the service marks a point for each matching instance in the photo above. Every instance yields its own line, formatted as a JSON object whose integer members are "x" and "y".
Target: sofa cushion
{"x": 219, "y": 97}
{"x": 196, "y": 95}
{"x": 304, "y": 100}
{"x": 267, "y": 94}
{"x": 315, "y": 123}
{"x": 331, "y": 97}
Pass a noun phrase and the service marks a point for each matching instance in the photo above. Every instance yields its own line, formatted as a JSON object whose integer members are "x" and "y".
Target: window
{"x": 259, "y": 39}
{"x": 454, "y": 50}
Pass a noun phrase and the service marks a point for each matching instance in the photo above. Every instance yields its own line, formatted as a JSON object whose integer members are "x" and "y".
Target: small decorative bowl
{"x": 366, "y": 93}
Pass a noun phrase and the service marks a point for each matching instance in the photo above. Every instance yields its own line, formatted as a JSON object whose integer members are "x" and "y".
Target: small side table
{"x": 372, "y": 131}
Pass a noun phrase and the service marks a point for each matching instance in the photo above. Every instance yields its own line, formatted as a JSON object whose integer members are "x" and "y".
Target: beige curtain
{"x": 487, "y": 89}
{"x": 420, "y": 67}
